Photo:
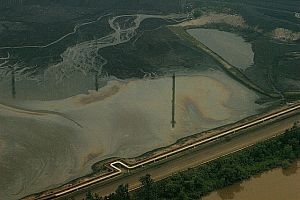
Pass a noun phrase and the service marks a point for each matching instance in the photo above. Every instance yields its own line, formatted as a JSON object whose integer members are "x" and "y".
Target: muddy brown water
{"x": 278, "y": 184}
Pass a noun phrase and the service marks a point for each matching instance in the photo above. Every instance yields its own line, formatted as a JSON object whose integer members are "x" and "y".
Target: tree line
{"x": 200, "y": 181}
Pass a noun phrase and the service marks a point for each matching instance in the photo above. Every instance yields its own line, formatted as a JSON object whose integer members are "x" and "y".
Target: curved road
{"x": 115, "y": 165}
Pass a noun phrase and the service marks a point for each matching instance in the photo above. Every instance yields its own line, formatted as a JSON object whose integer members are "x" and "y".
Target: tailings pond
{"x": 229, "y": 46}
{"x": 47, "y": 143}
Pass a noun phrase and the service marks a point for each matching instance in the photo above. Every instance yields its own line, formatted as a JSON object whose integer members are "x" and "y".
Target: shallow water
{"x": 229, "y": 46}
{"x": 277, "y": 184}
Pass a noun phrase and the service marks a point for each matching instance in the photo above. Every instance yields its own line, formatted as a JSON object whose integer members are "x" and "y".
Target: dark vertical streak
{"x": 173, "y": 122}
{"x": 13, "y": 84}
{"x": 96, "y": 82}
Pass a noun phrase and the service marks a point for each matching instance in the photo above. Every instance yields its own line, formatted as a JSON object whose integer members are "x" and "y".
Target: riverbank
{"x": 196, "y": 183}
{"x": 276, "y": 184}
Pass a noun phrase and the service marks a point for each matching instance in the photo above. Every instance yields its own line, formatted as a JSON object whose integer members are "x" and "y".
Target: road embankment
{"x": 202, "y": 155}
{"x": 115, "y": 166}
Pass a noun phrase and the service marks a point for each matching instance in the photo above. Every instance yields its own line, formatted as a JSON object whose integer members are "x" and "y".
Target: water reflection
{"x": 277, "y": 184}
{"x": 229, "y": 192}
{"x": 292, "y": 169}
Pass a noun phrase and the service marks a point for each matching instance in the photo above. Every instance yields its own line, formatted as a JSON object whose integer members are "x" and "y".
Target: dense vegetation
{"x": 198, "y": 182}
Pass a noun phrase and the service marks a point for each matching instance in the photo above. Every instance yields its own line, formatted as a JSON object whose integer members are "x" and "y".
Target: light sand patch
{"x": 285, "y": 34}
{"x": 94, "y": 96}
{"x": 216, "y": 18}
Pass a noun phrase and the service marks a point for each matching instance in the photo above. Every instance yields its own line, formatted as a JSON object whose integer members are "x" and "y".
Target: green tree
{"x": 122, "y": 193}
{"x": 97, "y": 197}
{"x": 89, "y": 196}
{"x": 197, "y": 13}
{"x": 147, "y": 191}
{"x": 182, "y": 195}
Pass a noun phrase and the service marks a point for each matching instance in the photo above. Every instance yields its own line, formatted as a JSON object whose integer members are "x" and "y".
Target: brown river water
{"x": 278, "y": 184}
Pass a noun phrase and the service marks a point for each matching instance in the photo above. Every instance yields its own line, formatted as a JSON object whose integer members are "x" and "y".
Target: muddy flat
{"x": 63, "y": 138}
